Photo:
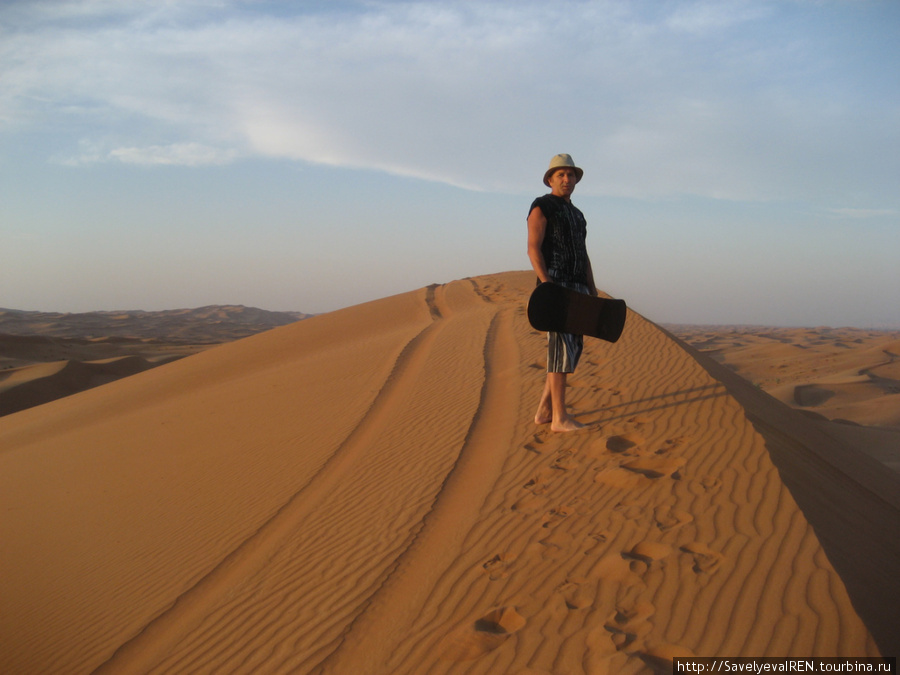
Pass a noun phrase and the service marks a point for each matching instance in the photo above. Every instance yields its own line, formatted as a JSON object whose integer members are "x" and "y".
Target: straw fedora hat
{"x": 560, "y": 162}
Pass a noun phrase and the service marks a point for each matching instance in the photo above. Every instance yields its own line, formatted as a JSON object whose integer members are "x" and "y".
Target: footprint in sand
{"x": 706, "y": 561}
{"x": 539, "y": 484}
{"x": 705, "y": 485}
{"x": 593, "y": 542}
{"x": 630, "y": 509}
{"x": 577, "y": 592}
{"x": 564, "y": 462}
{"x": 502, "y": 621}
{"x": 648, "y": 552}
{"x": 655, "y": 467}
{"x": 617, "y": 569}
{"x": 489, "y": 632}
{"x": 710, "y": 483}
{"x": 623, "y": 442}
{"x": 628, "y": 625}
{"x": 598, "y": 538}
{"x": 555, "y": 546}
{"x": 661, "y": 657}
{"x": 645, "y": 556}
{"x": 497, "y": 567}
{"x": 673, "y": 443}
{"x": 531, "y": 503}
{"x": 554, "y": 516}
{"x": 667, "y": 519}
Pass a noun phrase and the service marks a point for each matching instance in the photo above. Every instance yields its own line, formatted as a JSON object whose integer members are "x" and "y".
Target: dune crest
{"x": 366, "y": 492}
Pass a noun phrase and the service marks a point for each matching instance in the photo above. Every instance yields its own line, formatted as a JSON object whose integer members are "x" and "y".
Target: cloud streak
{"x": 701, "y": 99}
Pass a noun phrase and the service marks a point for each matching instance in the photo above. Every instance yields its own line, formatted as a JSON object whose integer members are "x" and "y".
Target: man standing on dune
{"x": 556, "y": 246}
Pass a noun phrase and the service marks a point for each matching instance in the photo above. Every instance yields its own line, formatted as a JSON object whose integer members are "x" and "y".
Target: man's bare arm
{"x": 537, "y": 226}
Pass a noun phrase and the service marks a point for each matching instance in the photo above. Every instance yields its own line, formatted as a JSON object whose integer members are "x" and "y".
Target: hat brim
{"x": 578, "y": 173}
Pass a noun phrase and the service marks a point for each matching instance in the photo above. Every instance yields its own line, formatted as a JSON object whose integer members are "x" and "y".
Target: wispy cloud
{"x": 864, "y": 213}
{"x": 715, "y": 16}
{"x": 174, "y": 154}
{"x": 180, "y": 154}
{"x": 694, "y": 98}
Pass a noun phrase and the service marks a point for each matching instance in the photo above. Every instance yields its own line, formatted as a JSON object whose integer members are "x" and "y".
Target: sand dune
{"x": 840, "y": 373}
{"x": 365, "y": 492}
{"x": 22, "y": 388}
{"x": 850, "y": 376}
{"x": 47, "y": 355}
{"x": 214, "y": 323}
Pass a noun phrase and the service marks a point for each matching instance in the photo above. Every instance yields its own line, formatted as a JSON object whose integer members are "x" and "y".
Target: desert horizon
{"x": 366, "y": 491}
{"x": 46, "y": 355}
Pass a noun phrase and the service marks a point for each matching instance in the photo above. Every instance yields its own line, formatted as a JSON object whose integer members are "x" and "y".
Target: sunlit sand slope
{"x": 366, "y": 492}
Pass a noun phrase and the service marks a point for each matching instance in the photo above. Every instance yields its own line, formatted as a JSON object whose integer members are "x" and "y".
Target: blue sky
{"x": 742, "y": 159}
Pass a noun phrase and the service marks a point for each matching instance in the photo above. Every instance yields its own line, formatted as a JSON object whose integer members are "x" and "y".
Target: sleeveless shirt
{"x": 564, "y": 247}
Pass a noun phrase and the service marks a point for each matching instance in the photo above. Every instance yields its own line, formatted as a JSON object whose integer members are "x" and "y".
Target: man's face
{"x": 562, "y": 182}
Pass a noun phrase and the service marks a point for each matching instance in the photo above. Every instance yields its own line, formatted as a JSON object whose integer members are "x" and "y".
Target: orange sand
{"x": 365, "y": 492}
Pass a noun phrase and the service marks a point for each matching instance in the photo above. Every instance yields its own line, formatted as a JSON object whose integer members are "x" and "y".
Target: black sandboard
{"x": 556, "y": 308}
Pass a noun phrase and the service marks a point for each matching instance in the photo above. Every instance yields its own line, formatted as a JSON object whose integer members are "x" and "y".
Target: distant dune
{"x": 45, "y": 355}
{"x": 848, "y": 375}
{"x": 216, "y": 323}
{"x": 365, "y": 492}
{"x": 24, "y": 388}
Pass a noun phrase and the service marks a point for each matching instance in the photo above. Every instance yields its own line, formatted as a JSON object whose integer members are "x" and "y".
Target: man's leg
{"x": 556, "y": 382}
{"x": 563, "y": 353}
{"x": 552, "y": 407}
{"x": 544, "y": 414}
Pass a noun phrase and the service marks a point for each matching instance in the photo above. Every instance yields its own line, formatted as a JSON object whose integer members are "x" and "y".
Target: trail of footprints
{"x": 621, "y": 462}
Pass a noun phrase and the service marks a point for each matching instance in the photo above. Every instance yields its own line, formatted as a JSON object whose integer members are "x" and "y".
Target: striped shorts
{"x": 564, "y": 349}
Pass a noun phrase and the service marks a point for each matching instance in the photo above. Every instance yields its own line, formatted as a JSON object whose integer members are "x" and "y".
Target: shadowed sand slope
{"x": 23, "y": 388}
{"x": 48, "y": 355}
{"x": 365, "y": 492}
{"x": 848, "y": 374}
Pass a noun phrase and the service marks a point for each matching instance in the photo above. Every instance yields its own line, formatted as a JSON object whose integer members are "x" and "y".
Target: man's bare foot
{"x": 543, "y": 418}
{"x": 567, "y": 424}
{"x": 544, "y": 414}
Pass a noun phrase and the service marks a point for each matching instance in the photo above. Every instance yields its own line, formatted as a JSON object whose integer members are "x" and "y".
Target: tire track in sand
{"x": 370, "y": 640}
{"x": 148, "y": 647}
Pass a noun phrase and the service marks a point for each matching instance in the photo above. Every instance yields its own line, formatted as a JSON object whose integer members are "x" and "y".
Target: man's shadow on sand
{"x": 657, "y": 402}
